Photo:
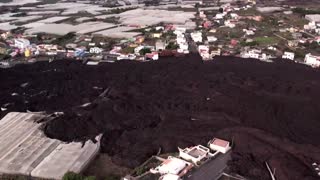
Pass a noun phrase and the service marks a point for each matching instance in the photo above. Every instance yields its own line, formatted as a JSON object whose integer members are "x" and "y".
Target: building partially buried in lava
{"x": 194, "y": 154}
{"x": 172, "y": 167}
{"x": 192, "y": 163}
{"x": 219, "y": 145}
{"x": 26, "y": 151}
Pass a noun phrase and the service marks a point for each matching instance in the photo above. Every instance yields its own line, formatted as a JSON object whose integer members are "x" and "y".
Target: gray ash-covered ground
{"x": 270, "y": 110}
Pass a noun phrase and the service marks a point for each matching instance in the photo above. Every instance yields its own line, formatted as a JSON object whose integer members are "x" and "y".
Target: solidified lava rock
{"x": 271, "y": 111}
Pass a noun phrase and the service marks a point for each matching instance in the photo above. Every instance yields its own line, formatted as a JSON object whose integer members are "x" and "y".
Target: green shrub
{"x": 75, "y": 176}
{"x": 303, "y": 11}
{"x": 172, "y": 46}
{"x": 112, "y": 177}
{"x": 144, "y": 51}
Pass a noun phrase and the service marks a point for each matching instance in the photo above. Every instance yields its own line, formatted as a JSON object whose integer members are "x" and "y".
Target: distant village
{"x": 138, "y": 31}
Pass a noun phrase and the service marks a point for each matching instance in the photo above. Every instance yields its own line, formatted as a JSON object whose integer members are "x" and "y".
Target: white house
{"x": 248, "y": 32}
{"x": 288, "y": 55}
{"x": 194, "y": 154}
{"x": 152, "y": 56}
{"x": 139, "y": 48}
{"x": 254, "y": 53}
{"x": 204, "y": 52}
{"x": 159, "y": 28}
{"x": 179, "y": 30}
{"x": 212, "y": 38}
{"x": 126, "y": 57}
{"x": 196, "y": 36}
{"x": 234, "y": 15}
{"x": 229, "y": 24}
{"x": 216, "y": 52}
{"x": 219, "y": 16}
{"x": 312, "y": 60}
{"x": 219, "y": 145}
{"x": 21, "y": 43}
{"x": 95, "y": 50}
{"x": 202, "y": 14}
{"x": 310, "y": 26}
{"x": 181, "y": 39}
{"x": 313, "y": 17}
{"x": 183, "y": 45}
{"x": 171, "y": 165}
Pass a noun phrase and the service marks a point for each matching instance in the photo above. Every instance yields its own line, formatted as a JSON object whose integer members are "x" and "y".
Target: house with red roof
{"x": 219, "y": 145}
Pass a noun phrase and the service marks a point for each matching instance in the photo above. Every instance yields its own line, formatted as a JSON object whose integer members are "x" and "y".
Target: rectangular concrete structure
{"x": 25, "y": 150}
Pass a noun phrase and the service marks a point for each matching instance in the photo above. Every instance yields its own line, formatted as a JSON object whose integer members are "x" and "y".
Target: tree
{"x": 128, "y": 50}
{"x": 197, "y": 5}
{"x": 112, "y": 177}
{"x": 144, "y": 51}
{"x": 75, "y": 176}
{"x": 20, "y": 14}
{"x": 172, "y": 46}
{"x": 64, "y": 39}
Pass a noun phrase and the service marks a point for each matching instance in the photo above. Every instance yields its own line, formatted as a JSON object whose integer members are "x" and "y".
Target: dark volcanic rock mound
{"x": 270, "y": 110}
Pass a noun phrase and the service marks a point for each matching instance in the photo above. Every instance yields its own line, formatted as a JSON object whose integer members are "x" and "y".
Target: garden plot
{"x": 8, "y": 17}
{"x": 54, "y": 19}
{"x": 18, "y": 2}
{"x": 89, "y": 27}
{"x": 153, "y": 17}
{"x": 62, "y": 29}
{"x": 58, "y": 29}
{"x": 27, "y": 18}
{"x": 119, "y": 32}
{"x": 73, "y": 8}
{"x": 43, "y": 12}
{"x": 7, "y": 26}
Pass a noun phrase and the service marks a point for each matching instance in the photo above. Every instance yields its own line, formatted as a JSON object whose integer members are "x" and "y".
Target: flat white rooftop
{"x": 54, "y": 19}
{"x": 313, "y": 17}
{"x": 26, "y": 150}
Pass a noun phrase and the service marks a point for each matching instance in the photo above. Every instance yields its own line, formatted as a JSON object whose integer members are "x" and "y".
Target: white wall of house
{"x": 311, "y": 60}
{"x": 288, "y": 55}
{"x": 21, "y": 43}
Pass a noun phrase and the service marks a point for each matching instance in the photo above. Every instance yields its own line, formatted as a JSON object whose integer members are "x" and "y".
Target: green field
{"x": 266, "y": 40}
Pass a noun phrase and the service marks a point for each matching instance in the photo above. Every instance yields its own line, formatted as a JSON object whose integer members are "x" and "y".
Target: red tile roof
{"x": 220, "y": 142}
